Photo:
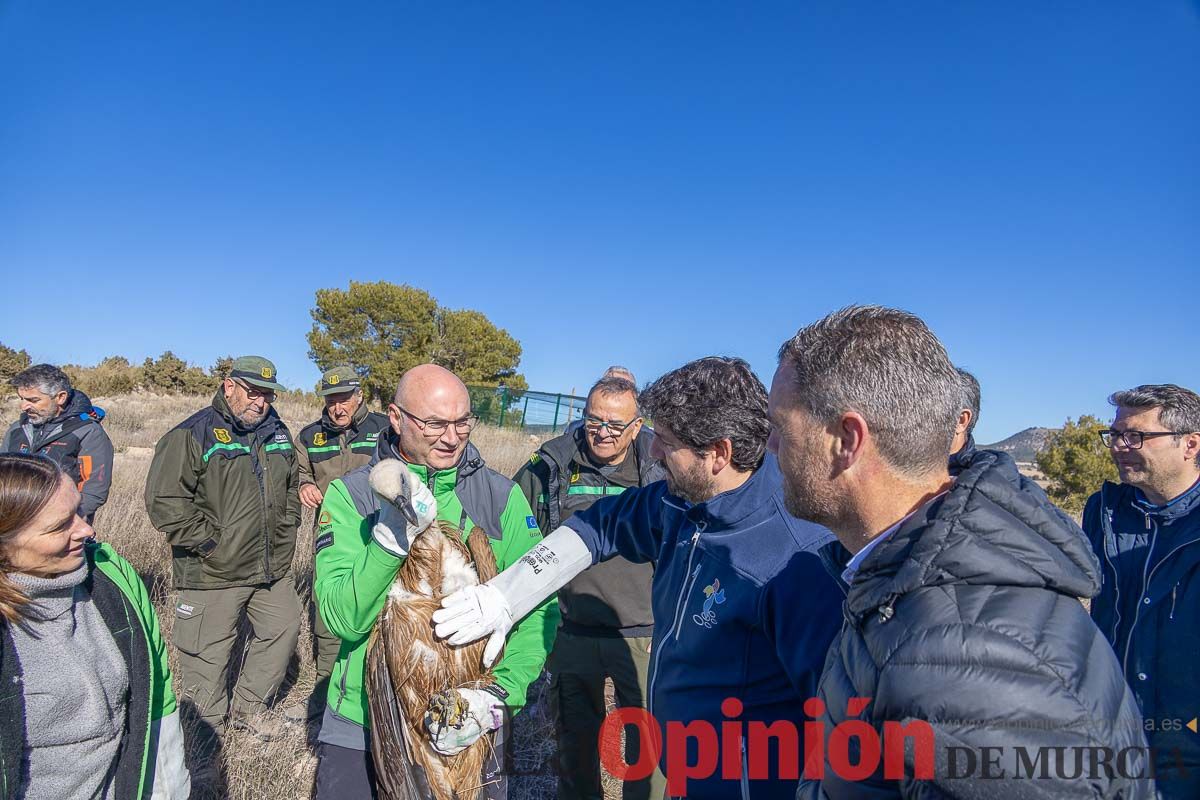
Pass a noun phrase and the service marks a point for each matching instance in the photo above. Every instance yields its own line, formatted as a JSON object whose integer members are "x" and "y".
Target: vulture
{"x": 411, "y": 675}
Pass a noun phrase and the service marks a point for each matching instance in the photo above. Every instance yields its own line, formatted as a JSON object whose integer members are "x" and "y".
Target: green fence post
{"x": 557, "y": 404}
{"x": 503, "y": 403}
{"x": 525, "y": 412}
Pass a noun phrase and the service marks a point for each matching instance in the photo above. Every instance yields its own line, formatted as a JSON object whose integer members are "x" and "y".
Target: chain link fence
{"x": 536, "y": 412}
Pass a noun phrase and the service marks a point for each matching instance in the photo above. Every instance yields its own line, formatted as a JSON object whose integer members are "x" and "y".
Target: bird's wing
{"x": 397, "y": 776}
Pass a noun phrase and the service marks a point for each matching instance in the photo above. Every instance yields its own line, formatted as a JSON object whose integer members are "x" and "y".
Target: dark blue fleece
{"x": 742, "y": 608}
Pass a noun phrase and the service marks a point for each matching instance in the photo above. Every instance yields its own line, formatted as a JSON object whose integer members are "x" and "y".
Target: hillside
{"x": 1022, "y": 446}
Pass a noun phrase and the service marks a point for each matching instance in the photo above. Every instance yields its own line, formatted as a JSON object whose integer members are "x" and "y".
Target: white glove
{"x": 457, "y": 717}
{"x": 472, "y": 613}
{"x": 490, "y": 609}
{"x": 406, "y": 506}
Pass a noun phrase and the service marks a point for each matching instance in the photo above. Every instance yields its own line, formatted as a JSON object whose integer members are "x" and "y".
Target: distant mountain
{"x": 1023, "y": 446}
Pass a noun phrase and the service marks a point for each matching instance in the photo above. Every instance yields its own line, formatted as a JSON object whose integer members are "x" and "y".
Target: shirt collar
{"x": 856, "y": 561}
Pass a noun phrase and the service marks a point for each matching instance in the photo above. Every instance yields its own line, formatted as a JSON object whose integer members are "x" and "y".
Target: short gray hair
{"x": 612, "y": 387}
{"x": 888, "y": 366}
{"x": 46, "y": 378}
{"x": 970, "y": 396}
{"x": 711, "y": 399}
{"x": 1179, "y": 408}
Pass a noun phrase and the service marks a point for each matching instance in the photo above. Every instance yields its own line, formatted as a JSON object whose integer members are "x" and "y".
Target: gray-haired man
{"x": 1146, "y": 532}
{"x": 962, "y": 620}
{"x": 61, "y": 423}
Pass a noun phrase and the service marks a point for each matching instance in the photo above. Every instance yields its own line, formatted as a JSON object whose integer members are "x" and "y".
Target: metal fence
{"x": 536, "y": 412}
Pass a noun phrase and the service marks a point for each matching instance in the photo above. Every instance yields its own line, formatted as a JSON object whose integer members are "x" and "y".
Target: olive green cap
{"x": 256, "y": 371}
{"x": 339, "y": 379}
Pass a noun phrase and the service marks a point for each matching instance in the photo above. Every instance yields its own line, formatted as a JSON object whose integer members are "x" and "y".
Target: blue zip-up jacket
{"x": 742, "y": 609}
{"x": 1149, "y": 610}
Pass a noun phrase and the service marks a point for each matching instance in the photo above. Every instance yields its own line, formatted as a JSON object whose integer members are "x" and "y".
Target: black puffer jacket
{"x": 967, "y": 617}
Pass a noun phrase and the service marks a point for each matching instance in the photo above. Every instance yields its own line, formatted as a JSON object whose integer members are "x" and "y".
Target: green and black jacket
{"x": 611, "y": 598}
{"x": 226, "y": 499}
{"x": 151, "y": 722}
{"x": 326, "y": 452}
{"x": 354, "y": 574}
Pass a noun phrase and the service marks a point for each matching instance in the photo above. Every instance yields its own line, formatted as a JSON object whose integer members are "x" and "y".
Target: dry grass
{"x": 281, "y": 770}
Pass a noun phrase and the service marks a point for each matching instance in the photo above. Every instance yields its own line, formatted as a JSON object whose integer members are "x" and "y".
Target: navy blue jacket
{"x": 742, "y": 608}
{"x": 967, "y": 617}
{"x": 1150, "y": 612}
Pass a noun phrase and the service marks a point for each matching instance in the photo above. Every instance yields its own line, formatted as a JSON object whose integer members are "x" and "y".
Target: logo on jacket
{"x": 319, "y": 439}
{"x": 714, "y": 595}
{"x": 222, "y": 435}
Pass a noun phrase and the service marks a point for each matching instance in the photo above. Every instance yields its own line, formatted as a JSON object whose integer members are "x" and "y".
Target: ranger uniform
{"x": 225, "y": 497}
{"x": 325, "y": 452}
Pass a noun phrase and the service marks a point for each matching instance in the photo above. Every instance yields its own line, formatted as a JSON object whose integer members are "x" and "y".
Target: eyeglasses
{"x": 616, "y": 428}
{"x": 1132, "y": 439}
{"x": 254, "y": 393}
{"x": 434, "y": 428}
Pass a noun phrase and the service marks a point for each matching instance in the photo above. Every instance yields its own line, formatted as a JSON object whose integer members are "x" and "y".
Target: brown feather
{"x": 419, "y": 665}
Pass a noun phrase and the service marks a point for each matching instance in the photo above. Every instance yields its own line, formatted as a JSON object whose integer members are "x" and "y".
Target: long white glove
{"x": 489, "y": 609}
{"x": 406, "y": 506}
{"x": 457, "y": 717}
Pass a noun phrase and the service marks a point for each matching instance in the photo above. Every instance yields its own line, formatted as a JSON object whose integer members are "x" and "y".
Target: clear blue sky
{"x": 642, "y": 183}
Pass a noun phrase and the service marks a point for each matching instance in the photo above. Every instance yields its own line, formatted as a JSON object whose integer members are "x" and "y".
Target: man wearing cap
{"x": 223, "y": 489}
{"x": 342, "y": 440}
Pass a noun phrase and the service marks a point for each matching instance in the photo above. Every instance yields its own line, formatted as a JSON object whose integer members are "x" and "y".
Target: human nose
{"x": 82, "y": 531}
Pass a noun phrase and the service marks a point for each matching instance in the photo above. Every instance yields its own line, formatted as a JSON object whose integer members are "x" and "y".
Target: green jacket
{"x": 325, "y": 451}
{"x": 226, "y": 499}
{"x": 152, "y": 723}
{"x": 353, "y": 574}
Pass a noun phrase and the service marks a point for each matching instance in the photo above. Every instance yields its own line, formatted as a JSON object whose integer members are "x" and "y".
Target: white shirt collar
{"x": 852, "y": 568}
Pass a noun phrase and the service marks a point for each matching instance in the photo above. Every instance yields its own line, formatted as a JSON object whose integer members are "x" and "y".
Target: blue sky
{"x": 642, "y": 183}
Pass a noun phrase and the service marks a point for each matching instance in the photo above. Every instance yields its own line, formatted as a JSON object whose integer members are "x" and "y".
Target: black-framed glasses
{"x": 436, "y": 427}
{"x": 615, "y": 428}
{"x": 1132, "y": 439}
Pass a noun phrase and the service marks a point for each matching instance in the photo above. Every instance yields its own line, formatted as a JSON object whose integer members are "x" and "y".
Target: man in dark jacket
{"x": 1147, "y": 533}
{"x": 607, "y": 622}
{"x": 341, "y": 441}
{"x": 223, "y": 490}
{"x": 962, "y": 621}
{"x": 62, "y": 424}
{"x": 743, "y": 609}
{"x": 962, "y": 448}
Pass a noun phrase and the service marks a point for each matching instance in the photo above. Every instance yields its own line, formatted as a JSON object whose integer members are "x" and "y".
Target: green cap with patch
{"x": 339, "y": 379}
{"x": 256, "y": 371}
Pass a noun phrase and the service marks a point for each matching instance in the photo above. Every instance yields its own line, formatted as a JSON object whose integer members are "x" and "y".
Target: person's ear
{"x": 394, "y": 414}
{"x": 850, "y": 436}
{"x": 722, "y": 452}
{"x": 1191, "y": 447}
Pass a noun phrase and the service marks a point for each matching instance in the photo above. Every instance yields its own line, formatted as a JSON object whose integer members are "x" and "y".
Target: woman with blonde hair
{"x": 86, "y": 707}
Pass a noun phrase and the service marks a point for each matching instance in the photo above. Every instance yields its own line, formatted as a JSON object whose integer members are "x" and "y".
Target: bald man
{"x": 361, "y": 542}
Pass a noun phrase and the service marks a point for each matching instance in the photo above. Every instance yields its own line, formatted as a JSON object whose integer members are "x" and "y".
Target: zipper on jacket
{"x": 262, "y": 495}
{"x": 688, "y": 584}
{"x": 1146, "y": 573}
{"x": 1116, "y": 578}
{"x": 678, "y": 605}
{"x": 745, "y": 771}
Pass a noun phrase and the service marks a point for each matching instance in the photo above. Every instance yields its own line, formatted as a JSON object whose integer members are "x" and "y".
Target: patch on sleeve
{"x": 535, "y": 458}
{"x": 324, "y": 519}
{"x": 531, "y": 523}
{"x": 323, "y": 541}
